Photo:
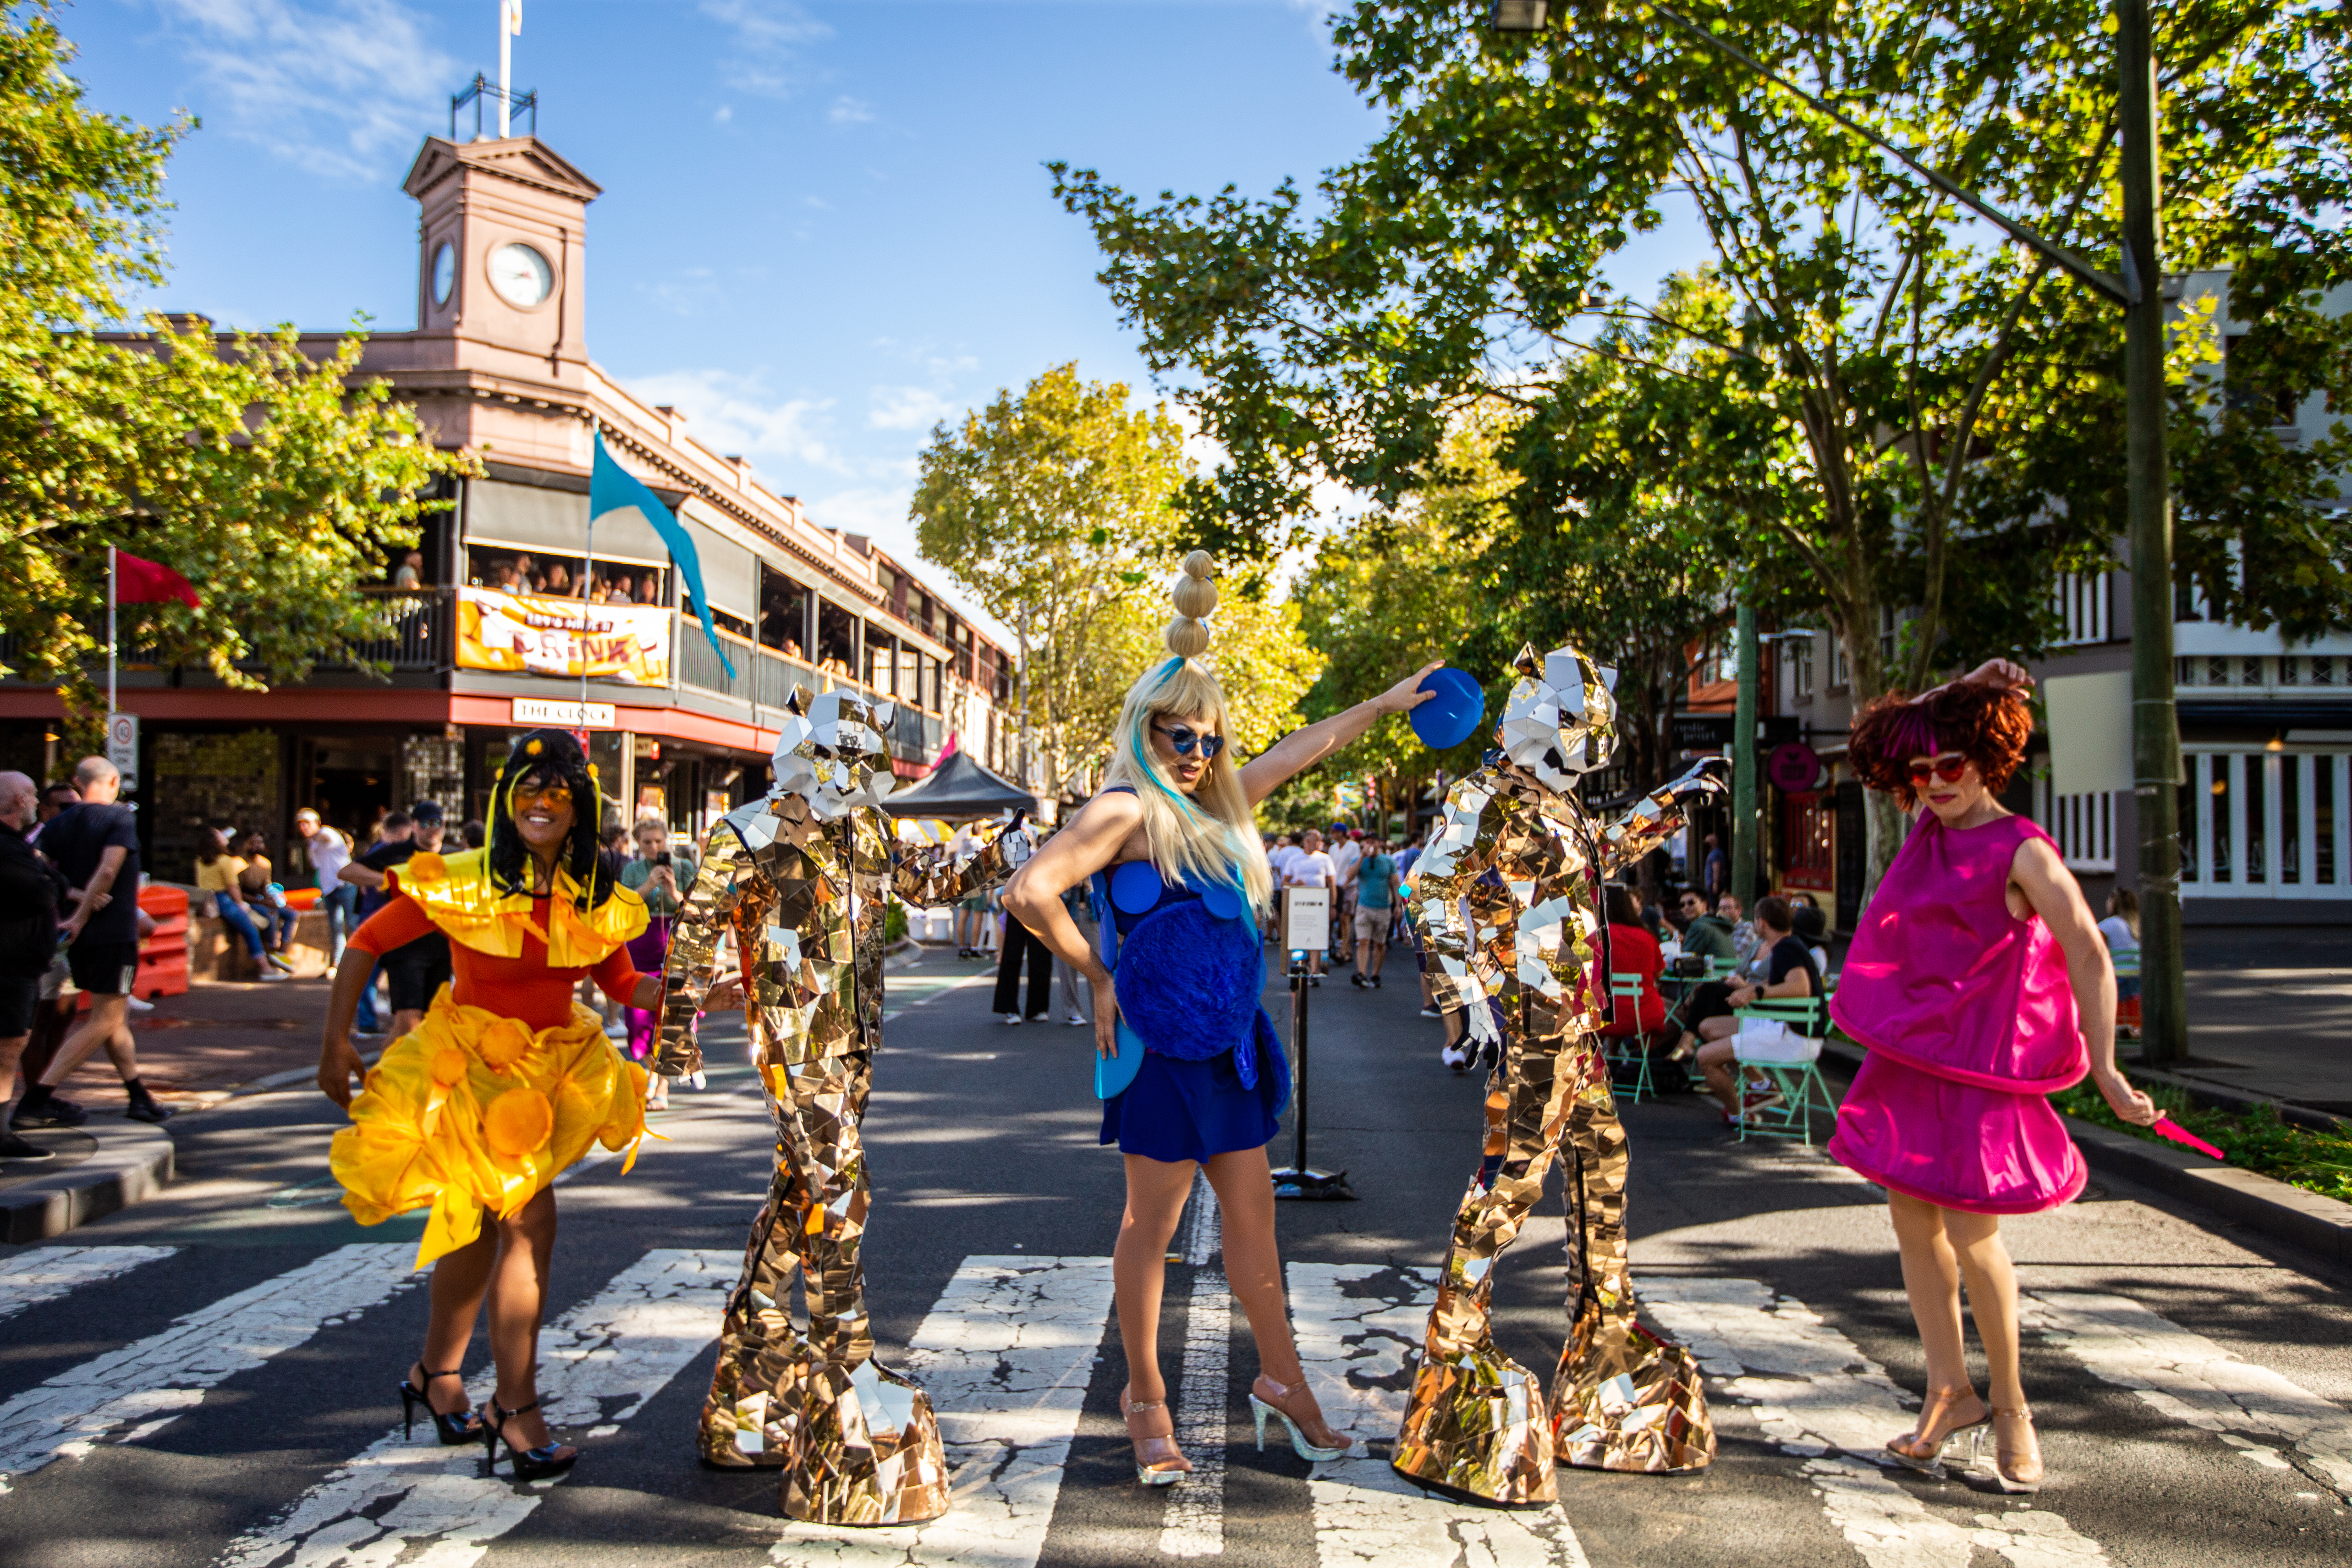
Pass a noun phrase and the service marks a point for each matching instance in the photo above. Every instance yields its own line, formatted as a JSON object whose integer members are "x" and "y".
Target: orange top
{"x": 523, "y": 988}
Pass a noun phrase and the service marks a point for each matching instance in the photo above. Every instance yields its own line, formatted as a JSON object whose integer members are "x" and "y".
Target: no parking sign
{"x": 122, "y": 746}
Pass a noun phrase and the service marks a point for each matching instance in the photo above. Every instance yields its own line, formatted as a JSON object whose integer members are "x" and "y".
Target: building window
{"x": 2084, "y": 826}
{"x": 2265, "y": 825}
{"x": 1801, "y": 668}
{"x": 1810, "y": 838}
{"x": 1840, "y": 676}
{"x": 2079, "y": 600}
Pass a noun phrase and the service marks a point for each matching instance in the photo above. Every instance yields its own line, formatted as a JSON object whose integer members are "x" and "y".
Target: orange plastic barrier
{"x": 163, "y": 956}
{"x": 302, "y": 899}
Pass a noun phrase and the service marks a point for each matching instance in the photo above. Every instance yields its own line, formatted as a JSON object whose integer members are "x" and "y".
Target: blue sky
{"x": 824, "y": 226}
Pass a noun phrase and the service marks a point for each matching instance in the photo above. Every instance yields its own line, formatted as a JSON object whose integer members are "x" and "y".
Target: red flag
{"x": 138, "y": 582}
{"x": 947, "y": 750}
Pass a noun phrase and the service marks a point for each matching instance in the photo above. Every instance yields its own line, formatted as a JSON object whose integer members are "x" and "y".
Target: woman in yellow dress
{"x": 506, "y": 1082}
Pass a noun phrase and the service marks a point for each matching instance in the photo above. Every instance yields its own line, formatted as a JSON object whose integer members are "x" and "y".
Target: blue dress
{"x": 1178, "y": 1108}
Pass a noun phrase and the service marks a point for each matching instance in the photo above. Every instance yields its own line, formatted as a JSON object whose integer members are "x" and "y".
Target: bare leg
{"x": 1245, "y": 1188}
{"x": 1379, "y": 956}
{"x": 460, "y": 1281}
{"x": 1715, "y": 1061}
{"x": 1975, "y": 1239}
{"x": 1931, "y": 1278}
{"x": 517, "y": 1302}
{"x": 1156, "y": 1190}
{"x": 104, "y": 1023}
{"x": 11, "y": 1050}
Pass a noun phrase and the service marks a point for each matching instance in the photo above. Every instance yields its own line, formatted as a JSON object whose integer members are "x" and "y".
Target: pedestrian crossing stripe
{"x": 131, "y": 1393}
{"x": 45, "y": 1273}
{"x": 1008, "y": 1353}
{"x": 599, "y": 1363}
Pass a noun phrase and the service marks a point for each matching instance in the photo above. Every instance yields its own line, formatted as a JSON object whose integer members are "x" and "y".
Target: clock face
{"x": 445, "y": 272}
{"x": 521, "y": 275}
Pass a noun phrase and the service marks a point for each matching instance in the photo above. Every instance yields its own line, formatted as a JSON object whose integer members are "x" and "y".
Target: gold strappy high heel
{"x": 2023, "y": 1473}
{"x": 1158, "y": 1461}
{"x": 1264, "y": 1405}
{"x": 1921, "y": 1448}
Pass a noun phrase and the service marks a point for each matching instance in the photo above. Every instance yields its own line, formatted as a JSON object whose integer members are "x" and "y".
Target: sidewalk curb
{"x": 132, "y": 1163}
{"x": 2316, "y": 1224}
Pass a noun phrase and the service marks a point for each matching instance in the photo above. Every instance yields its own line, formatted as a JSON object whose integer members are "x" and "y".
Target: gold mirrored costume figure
{"x": 1508, "y": 894}
{"x": 801, "y": 880}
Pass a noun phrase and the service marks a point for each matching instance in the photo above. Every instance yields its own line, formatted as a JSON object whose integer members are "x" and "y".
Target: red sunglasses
{"x": 1949, "y": 771}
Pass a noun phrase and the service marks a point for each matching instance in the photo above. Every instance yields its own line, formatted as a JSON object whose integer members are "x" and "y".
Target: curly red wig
{"x": 1989, "y": 725}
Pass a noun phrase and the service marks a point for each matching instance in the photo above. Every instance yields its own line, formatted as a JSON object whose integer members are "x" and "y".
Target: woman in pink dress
{"x": 1979, "y": 982}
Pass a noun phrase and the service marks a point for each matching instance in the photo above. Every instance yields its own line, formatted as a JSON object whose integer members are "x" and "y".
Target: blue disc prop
{"x": 1113, "y": 1074}
{"x": 1451, "y": 717}
{"x": 1135, "y": 887}
{"x": 1220, "y": 900}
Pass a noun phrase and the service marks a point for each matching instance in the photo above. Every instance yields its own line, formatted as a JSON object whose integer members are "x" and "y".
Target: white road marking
{"x": 2191, "y": 1379}
{"x": 1195, "y": 1522}
{"x": 44, "y": 1273}
{"x": 1817, "y": 1395}
{"x": 1352, "y": 1331}
{"x": 144, "y": 1386}
{"x": 412, "y": 1500}
{"x": 1005, "y": 1353}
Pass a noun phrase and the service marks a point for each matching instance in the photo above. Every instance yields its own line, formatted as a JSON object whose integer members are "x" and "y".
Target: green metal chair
{"x": 1804, "y": 1094}
{"x": 1628, "y": 1051}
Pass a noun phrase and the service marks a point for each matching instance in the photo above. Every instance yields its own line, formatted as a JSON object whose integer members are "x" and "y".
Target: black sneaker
{"x": 15, "y": 1147}
{"x": 1357, "y": 981}
{"x": 1376, "y": 982}
{"x": 146, "y": 1109}
{"x": 54, "y": 1112}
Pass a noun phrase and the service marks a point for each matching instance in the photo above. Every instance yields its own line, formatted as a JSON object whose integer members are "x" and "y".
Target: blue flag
{"x": 613, "y": 489}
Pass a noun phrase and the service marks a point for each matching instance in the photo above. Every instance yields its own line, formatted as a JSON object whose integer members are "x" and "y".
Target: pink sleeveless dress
{"x": 1969, "y": 1021}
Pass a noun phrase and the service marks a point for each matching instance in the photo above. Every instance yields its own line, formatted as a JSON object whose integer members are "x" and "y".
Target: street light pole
{"x": 2156, "y": 730}
{"x": 1743, "y": 763}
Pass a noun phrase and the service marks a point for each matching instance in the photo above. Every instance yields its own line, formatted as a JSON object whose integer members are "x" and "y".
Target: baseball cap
{"x": 425, "y": 814}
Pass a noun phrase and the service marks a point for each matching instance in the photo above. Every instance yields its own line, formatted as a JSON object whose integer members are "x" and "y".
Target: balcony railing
{"x": 420, "y": 637}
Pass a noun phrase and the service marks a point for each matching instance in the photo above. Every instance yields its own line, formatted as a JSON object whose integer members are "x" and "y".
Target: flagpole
{"x": 588, "y": 572}
{"x": 111, "y": 642}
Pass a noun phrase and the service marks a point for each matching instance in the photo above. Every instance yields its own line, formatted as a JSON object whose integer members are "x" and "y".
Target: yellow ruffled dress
{"x": 475, "y": 1111}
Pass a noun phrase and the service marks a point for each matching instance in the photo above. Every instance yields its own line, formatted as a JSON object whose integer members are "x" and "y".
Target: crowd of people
{"x": 600, "y": 582}
{"x": 69, "y": 915}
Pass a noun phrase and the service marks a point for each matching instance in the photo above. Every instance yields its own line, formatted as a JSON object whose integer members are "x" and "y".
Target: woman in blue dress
{"x": 1173, "y": 840}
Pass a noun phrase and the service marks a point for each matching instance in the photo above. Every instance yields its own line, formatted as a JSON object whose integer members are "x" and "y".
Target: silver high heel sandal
{"x": 1159, "y": 1462}
{"x": 1923, "y": 1448}
{"x": 1262, "y": 1408}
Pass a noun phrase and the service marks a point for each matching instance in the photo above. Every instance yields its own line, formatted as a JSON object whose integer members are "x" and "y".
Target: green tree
{"x": 1051, "y": 507}
{"x": 261, "y": 474}
{"x": 1904, "y": 415}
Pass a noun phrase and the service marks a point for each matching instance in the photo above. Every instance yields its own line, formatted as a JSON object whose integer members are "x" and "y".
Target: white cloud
{"x": 847, "y": 110}
{"x": 340, "y": 88}
{"x": 723, "y": 114}
{"x": 770, "y": 35}
{"x": 732, "y": 413}
{"x": 907, "y": 408}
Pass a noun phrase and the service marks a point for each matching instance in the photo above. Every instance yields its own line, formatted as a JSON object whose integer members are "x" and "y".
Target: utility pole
{"x": 1743, "y": 764}
{"x": 2156, "y": 730}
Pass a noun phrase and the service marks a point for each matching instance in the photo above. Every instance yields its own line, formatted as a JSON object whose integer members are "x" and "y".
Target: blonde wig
{"x": 1211, "y": 833}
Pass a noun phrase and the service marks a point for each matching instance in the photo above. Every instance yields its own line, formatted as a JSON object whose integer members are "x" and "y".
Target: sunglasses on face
{"x": 1947, "y": 769}
{"x": 1183, "y": 737}
{"x": 551, "y": 795}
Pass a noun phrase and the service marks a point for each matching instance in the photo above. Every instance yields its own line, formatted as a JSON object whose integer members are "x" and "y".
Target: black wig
{"x": 552, "y": 756}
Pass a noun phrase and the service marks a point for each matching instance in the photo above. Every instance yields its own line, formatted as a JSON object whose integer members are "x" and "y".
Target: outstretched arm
{"x": 687, "y": 978}
{"x": 929, "y": 875}
{"x": 1302, "y": 749}
{"x": 1657, "y": 815}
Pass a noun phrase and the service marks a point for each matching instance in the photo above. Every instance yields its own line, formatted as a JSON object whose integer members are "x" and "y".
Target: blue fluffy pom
{"x": 1189, "y": 982}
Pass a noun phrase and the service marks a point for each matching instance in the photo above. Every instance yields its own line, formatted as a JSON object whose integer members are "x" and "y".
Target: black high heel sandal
{"x": 529, "y": 1464}
{"x": 456, "y": 1427}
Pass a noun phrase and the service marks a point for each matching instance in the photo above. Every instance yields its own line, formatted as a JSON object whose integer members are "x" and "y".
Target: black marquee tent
{"x": 959, "y": 788}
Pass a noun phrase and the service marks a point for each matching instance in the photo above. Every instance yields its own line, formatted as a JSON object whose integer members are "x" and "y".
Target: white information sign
{"x": 538, "y": 710}
{"x": 122, "y": 746}
{"x": 1305, "y": 919}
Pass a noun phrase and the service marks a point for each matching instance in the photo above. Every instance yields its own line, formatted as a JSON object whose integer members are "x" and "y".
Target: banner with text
{"x": 533, "y": 635}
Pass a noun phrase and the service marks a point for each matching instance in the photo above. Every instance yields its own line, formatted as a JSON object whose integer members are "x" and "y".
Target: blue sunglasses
{"x": 1183, "y": 737}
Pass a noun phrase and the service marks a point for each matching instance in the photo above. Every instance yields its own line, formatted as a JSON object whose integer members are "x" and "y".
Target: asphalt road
{"x": 208, "y": 1379}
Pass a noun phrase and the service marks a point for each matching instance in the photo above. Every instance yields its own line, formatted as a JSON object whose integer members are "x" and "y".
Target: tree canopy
{"x": 256, "y": 472}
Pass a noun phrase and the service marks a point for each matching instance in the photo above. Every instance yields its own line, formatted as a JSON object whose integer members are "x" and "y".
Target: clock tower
{"x": 501, "y": 256}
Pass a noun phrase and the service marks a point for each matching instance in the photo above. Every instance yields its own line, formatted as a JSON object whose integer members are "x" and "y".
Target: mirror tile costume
{"x": 1508, "y": 892}
{"x": 801, "y": 880}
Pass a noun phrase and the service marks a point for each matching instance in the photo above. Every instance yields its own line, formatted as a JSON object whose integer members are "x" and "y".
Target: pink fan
{"x": 2165, "y": 1127}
